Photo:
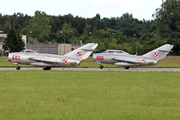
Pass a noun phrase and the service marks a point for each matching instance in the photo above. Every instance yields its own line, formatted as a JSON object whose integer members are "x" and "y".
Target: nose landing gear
{"x": 17, "y": 67}
{"x": 101, "y": 67}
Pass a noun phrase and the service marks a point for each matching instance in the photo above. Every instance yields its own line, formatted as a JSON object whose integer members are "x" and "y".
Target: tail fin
{"x": 160, "y": 52}
{"x": 83, "y": 52}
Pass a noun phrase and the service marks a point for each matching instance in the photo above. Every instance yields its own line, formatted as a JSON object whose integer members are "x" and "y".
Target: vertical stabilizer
{"x": 82, "y": 52}
{"x": 159, "y": 53}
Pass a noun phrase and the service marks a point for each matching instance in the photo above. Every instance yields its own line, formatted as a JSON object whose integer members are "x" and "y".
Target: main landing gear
{"x": 127, "y": 67}
{"x": 101, "y": 67}
{"x": 17, "y": 67}
{"x": 47, "y": 68}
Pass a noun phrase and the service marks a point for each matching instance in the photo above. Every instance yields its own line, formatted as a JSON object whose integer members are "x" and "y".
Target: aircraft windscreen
{"x": 28, "y": 51}
{"x": 113, "y": 51}
{"x": 118, "y": 51}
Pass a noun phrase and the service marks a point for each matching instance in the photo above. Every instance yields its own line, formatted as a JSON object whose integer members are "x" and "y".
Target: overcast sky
{"x": 83, "y": 8}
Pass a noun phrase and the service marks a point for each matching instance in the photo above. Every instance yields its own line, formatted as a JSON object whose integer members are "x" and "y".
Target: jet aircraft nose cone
{"x": 9, "y": 57}
{"x": 94, "y": 57}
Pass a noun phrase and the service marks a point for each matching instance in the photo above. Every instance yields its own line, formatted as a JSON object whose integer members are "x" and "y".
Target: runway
{"x": 96, "y": 69}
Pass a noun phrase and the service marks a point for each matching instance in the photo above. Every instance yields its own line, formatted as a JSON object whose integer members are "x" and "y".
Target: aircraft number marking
{"x": 156, "y": 54}
{"x": 65, "y": 61}
{"x": 79, "y": 54}
{"x": 99, "y": 57}
{"x": 143, "y": 60}
{"x": 16, "y": 57}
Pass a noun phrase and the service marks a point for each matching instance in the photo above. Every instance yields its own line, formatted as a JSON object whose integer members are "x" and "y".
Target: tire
{"x": 127, "y": 67}
{"x": 18, "y": 68}
{"x": 101, "y": 67}
{"x": 47, "y": 68}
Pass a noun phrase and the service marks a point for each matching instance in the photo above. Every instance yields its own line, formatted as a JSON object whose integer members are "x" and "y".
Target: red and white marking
{"x": 65, "y": 61}
{"x": 143, "y": 60}
{"x": 156, "y": 54}
{"x": 99, "y": 57}
{"x": 16, "y": 57}
{"x": 79, "y": 54}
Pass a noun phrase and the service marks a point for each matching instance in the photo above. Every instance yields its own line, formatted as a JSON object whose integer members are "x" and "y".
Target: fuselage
{"x": 123, "y": 59}
{"x": 41, "y": 60}
{"x": 31, "y": 57}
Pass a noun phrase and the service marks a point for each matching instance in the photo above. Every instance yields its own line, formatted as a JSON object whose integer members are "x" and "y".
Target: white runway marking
{"x": 98, "y": 69}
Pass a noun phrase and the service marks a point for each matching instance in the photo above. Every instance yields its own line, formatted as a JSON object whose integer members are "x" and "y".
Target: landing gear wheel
{"x": 47, "y": 68}
{"x": 101, "y": 67}
{"x": 127, "y": 67}
{"x": 18, "y": 68}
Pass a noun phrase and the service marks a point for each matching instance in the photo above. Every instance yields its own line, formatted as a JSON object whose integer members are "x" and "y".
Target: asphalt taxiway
{"x": 97, "y": 69}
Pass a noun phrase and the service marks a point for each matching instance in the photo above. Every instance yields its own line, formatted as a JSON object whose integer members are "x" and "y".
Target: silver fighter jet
{"x": 30, "y": 57}
{"x": 121, "y": 58}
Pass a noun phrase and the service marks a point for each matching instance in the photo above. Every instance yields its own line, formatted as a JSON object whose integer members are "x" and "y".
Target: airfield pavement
{"x": 98, "y": 69}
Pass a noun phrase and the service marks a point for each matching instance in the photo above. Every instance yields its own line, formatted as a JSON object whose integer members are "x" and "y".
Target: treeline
{"x": 126, "y": 31}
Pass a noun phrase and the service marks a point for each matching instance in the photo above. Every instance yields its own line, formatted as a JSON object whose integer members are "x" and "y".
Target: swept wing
{"x": 126, "y": 59}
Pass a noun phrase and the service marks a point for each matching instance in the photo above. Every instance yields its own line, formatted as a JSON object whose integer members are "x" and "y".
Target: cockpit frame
{"x": 113, "y": 51}
{"x": 28, "y": 51}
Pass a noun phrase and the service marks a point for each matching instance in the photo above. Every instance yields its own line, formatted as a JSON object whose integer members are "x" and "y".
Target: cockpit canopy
{"x": 28, "y": 51}
{"x": 115, "y": 52}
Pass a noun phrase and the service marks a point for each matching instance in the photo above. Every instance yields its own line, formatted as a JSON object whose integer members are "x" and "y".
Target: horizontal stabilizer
{"x": 164, "y": 50}
{"x": 88, "y": 49}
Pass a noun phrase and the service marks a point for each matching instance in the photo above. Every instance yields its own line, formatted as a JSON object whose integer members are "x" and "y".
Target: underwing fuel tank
{"x": 126, "y": 64}
{"x": 41, "y": 64}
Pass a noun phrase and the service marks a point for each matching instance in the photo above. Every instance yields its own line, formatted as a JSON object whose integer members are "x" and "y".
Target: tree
{"x": 31, "y": 40}
{"x": 126, "y": 16}
{"x": 13, "y": 42}
{"x": 167, "y": 22}
{"x": 66, "y": 33}
{"x": 96, "y": 22}
{"x": 39, "y": 26}
{"x": 87, "y": 29}
{"x": 79, "y": 24}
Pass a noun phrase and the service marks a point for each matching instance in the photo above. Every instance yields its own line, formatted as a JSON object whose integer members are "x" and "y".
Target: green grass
{"x": 167, "y": 62}
{"x": 72, "y": 95}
